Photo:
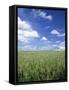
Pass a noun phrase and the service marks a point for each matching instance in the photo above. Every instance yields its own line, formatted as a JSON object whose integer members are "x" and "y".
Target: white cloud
{"x": 32, "y": 34}
{"x": 49, "y": 45}
{"x": 26, "y": 31}
{"x": 26, "y": 34}
{"x": 60, "y": 35}
{"x": 49, "y": 17}
{"x": 44, "y": 38}
{"x": 22, "y": 38}
{"x": 60, "y": 46}
{"x": 24, "y": 25}
{"x": 62, "y": 43}
{"x": 55, "y": 32}
{"x": 42, "y": 14}
{"x": 19, "y": 20}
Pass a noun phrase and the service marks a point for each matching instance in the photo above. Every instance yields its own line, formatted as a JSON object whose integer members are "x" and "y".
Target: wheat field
{"x": 41, "y": 65}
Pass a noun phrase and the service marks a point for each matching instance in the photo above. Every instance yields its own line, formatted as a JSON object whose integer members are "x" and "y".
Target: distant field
{"x": 33, "y": 66}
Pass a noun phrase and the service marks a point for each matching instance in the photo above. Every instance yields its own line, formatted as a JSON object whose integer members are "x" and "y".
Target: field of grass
{"x": 33, "y": 65}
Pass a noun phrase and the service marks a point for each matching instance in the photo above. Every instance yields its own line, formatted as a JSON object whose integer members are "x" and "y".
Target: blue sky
{"x": 40, "y": 29}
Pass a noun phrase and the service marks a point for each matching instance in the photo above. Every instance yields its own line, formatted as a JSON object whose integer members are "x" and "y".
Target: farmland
{"x": 41, "y": 65}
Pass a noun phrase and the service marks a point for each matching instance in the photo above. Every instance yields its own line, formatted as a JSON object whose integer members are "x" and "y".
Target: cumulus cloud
{"x": 62, "y": 46}
{"x": 32, "y": 34}
{"x": 61, "y": 35}
{"x": 42, "y": 14}
{"x": 49, "y": 45}
{"x": 44, "y": 38}
{"x": 49, "y": 17}
{"x": 26, "y": 34}
{"x": 22, "y": 38}
{"x": 55, "y": 32}
{"x": 24, "y": 25}
{"x": 26, "y": 31}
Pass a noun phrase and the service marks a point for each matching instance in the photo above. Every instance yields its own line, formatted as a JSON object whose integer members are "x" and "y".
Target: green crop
{"x": 41, "y": 65}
